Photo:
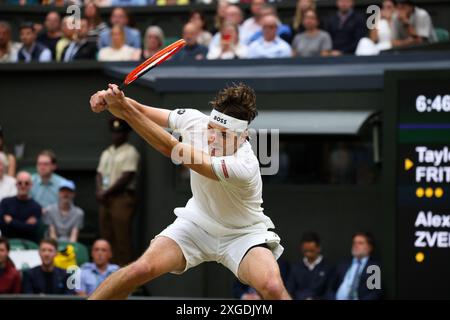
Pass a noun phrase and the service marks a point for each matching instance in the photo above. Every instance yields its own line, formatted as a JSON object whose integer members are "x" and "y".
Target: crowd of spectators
{"x": 38, "y": 206}
{"x": 262, "y": 35}
{"x": 313, "y": 277}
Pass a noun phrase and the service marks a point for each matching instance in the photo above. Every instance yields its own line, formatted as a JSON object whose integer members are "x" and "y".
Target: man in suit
{"x": 350, "y": 278}
{"x": 80, "y": 48}
{"x": 346, "y": 28}
{"x": 308, "y": 279}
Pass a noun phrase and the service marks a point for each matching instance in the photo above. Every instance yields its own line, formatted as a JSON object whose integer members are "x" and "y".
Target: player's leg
{"x": 260, "y": 270}
{"x": 163, "y": 256}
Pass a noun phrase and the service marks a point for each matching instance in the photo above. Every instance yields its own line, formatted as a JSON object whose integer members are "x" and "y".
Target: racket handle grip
{"x": 122, "y": 86}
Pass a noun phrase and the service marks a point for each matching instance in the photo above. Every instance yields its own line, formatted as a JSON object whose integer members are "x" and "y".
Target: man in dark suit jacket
{"x": 308, "y": 279}
{"x": 346, "y": 28}
{"x": 46, "y": 278}
{"x": 80, "y": 48}
{"x": 350, "y": 280}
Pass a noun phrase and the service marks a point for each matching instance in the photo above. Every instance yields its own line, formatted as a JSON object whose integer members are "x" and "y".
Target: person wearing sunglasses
{"x": 20, "y": 214}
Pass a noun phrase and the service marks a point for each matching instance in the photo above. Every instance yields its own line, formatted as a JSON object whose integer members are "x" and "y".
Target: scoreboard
{"x": 422, "y": 154}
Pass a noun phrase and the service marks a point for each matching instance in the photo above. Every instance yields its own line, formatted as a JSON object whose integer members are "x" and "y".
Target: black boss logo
{"x": 221, "y": 120}
{"x": 181, "y": 111}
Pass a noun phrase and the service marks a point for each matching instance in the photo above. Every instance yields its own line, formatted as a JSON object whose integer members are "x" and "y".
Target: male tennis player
{"x": 223, "y": 221}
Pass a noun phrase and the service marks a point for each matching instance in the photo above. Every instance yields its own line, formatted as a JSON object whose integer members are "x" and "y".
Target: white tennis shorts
{"x": 200, "y": 246}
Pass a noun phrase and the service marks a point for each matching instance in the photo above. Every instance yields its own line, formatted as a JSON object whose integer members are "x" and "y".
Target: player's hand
{"x": 98, "y": 103}
{"x": 7, "y": 218}
{"x": 115, "y": 100}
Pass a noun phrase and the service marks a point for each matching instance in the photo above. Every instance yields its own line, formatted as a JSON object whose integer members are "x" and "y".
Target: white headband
{"x": 227, "y": 121}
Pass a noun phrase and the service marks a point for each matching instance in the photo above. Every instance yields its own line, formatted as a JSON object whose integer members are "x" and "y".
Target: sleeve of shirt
{"x": 101, "y": 164}
{"x": 327, "y": 43}
{"x": 17, "y": 284}
{"x": 80, "y": 222}
{"x": 183, "y": 119}
{"x": 233, "y": 170}
{"x": 131, "y": 161}
{"x": 46, "y": 56}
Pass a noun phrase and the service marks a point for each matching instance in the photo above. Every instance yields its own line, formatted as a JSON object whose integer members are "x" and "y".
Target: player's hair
{"x": 5, "y": 241}
{"x": 311, "y": 237}
{"x": 49, "y": 241}
{"x": 238, "y": 101}
{"x": 48, "y": 153}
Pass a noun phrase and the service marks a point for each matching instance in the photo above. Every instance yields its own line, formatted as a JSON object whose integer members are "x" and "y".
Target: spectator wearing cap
{"x": 7, "y": 183}
{"x": 32, "y": 50}
{"x": 10, "y": 164}
{"x": 309, "y": 277}
{"x": 46, "y": 182}
{"x": 8, "y": 48}
{"x": 270, "y": 45}
{"x": 411, "y": 25}
{"x": 51, "y": 34}
{"x": 46, "y": 278}
{"x": 346, "y": 28}
{"x": 20, "y": 215}
{"x": 116, "y": 184}
{"x": 120, "y": 16}
{"x": 349, "y": 281}
{"x": 65, "y": 219}
{"x": 9, "y": 276}
{"x": 95, "y": 272}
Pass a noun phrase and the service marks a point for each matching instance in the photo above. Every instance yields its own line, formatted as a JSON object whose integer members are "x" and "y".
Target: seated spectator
{"x": 10, "y": 164}
{"x": 346, "y": 28}
{"x": 270, "y": 45}
{"x": 124, "y": 3}
{"x": 95, "y": 272}
{"x": 64, "y": 218}
{"x": 192, "y": 50}
{"x": 120, "y": 17}
{"x": 119, "y": 50}
{"x": 8, "y": 48}
{"x": 283, "y": 30}
{"x": 9, "y": 276}
{"x": 198, "y": 18}
{"x": 349, "y": 281}
{"x": 232, "y": 14}
{"x": 313, "y": 41}
{"x": 153, "y": 41}
{"x": 67, "y": 31}
{"x": 30, "y": 49}
{"x": 19, "y": 215}
{"x": 46, "y": 278}
{"x": 411, "y": 25}
{"x": 219, "y": 17}
{"x": 7, "y": 183}
{"x": 95, "y": 23}
{"x": 380, "y": 37}
{"x": 301, "y": 8}
{"x": 46, "y": 182}
{"x": 80, "y": 48}
{"x": 230, "y": 47}
{"x": 244, "y": 292}
{"x": 309, "y": 278}
{"x": 253, "y": 24}
{"x": 51, "y": 33}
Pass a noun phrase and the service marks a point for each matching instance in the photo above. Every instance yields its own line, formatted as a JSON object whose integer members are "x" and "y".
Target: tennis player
{"x": 223, "y": 221}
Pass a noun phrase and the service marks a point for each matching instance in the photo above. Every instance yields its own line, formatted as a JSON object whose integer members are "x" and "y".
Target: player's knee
{"x": 272, "y": 287}
{"x": 141, "y": 270}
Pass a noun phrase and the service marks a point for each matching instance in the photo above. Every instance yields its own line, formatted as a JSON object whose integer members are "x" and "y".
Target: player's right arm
{"x": 158, "y": 115}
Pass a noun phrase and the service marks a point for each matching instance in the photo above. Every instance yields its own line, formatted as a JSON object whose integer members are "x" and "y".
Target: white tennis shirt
{"x": 231, "y": 205}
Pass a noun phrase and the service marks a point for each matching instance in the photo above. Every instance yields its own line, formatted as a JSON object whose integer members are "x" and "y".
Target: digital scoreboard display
{"x": 423, "y": 189}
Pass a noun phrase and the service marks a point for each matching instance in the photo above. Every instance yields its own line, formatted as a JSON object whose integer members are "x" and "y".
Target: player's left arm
{"x": 157, "y": 137}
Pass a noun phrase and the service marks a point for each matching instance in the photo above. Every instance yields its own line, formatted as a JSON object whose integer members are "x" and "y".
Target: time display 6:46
{"x": 430, "y": 104}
